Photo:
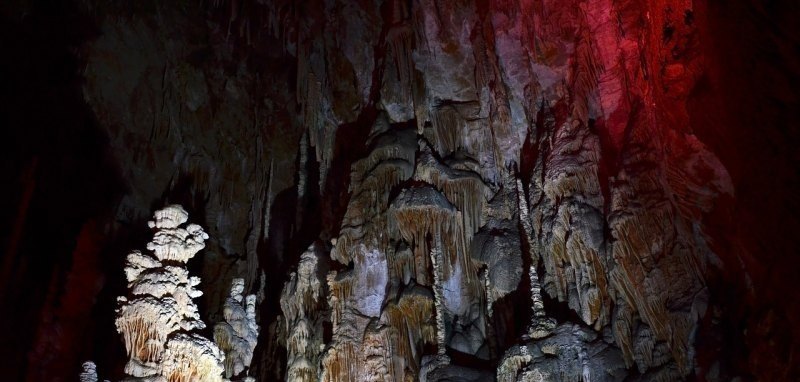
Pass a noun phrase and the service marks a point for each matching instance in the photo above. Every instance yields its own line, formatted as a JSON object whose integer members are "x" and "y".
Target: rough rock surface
{"x": 89, "y": 373}
{"x": 565, "y": 99}
{"x": 238, "y": 335}
{"x": 158, "y": 317}
{"x": 399, "y": 190}
{"x": 302, "y": 300}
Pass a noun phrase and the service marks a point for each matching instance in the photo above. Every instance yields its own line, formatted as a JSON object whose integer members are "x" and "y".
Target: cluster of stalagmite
{"x": 158, "y": 317}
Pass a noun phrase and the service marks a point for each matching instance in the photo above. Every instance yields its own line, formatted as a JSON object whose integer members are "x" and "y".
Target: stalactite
{"x": 302, "y": 178}
{"x": 630, "y": 277}
{"x": 573, "y": 254}
{"x": 465, "y": 189}
{"x": 321, "y": 131}
{"x": 412, "y": 324}
{"x": 341, "y": 288}
{"x": 312, "y": 112}
{"x": 448, "y": 129}
{"x": 582, "y": 102}
{"x": 497, "y": 247}
{"x": 586, "y": 72}
{"x": 401, "y": 41}
{"x": 266, "y": 216}
{"x": 416, "y": 222}
{"x": 372, "y": 179}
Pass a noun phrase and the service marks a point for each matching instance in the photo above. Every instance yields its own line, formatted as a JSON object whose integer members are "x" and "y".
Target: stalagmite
{"x": 512, "y": 363}
{"x": 541, "y": 325}
{"x": 157, "y": 317}
{"x": 89, "y": 373}
{"x": 192, "y": 358}
{"x": 238, "y": 335}
{"x": 436, "y": 260}
{"x": 302, "y": 304}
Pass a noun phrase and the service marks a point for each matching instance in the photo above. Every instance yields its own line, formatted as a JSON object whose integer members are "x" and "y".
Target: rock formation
{"x": 393, "y": 190}
{"x": 89, "y": 373}
{"x": 158, "y": 317}
{"x": 302, "y": 304}
{"x": 604, "y": 217}
{"x": 238, "y": 335}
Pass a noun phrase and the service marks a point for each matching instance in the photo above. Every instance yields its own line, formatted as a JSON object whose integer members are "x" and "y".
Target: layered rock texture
{"x": 159, "y": 319}
{"x": 470, "y": 190}
{"x": 238, "y": 335}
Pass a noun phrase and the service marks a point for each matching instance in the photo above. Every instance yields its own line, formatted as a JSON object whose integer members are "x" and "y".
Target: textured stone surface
{"x": 614, "y": 196}
{"x": 302, "y": 303}
{"x": 418, "y": 190}
{"x": 158, "y": 317}
{"x": 238, "y": 335}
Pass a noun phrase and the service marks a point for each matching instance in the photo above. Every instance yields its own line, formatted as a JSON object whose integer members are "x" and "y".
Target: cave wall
{"x": 468, "y": 190}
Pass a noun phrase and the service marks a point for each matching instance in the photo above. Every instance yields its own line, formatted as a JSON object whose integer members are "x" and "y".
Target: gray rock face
{"x": 571, "y": 353}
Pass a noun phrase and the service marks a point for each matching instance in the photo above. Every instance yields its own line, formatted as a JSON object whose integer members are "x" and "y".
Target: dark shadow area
{"x": 745, "y": 109}
{"x": 59, "y": 182}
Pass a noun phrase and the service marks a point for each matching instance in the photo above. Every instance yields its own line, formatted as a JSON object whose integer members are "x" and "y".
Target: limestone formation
{"x": 419, "y": 190}
{"x": 493, "y": 195}
{"x": 158, "y": 316}
{"x": 572, "y": 353}
{"x": 302, "y": 303}
{"x": 191, "y": 357}
{"x": 89, "y": 373}
{"x": 513, "y": 191}
{"x": 238, "y": 335}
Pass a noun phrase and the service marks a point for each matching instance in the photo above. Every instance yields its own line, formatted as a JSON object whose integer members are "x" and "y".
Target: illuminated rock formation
{"x": 302, "y": 303}
{"x": 158, "y": 316}
{"x": 238, "y": 335}
{"x": 191, "y": 357}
